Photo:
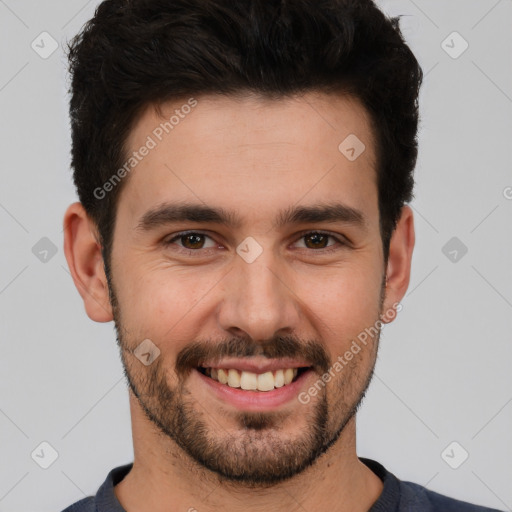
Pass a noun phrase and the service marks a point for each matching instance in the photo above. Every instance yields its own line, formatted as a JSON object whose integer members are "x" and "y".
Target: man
{"x": 243, "y": 170}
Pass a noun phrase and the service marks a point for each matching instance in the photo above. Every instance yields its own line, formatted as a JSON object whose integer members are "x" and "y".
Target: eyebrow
{"x": 168, "y": 213}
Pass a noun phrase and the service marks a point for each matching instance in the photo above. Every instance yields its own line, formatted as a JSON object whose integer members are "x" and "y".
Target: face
{"x": 247, "y": 249}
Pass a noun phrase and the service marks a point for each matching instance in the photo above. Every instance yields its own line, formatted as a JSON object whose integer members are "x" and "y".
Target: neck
{"x": 164, "y": 476}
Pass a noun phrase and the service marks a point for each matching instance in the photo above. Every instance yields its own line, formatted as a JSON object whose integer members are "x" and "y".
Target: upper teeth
{"x": 253, "y": 381}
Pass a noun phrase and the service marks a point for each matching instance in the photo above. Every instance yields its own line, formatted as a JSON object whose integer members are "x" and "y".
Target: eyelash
{"x": 196, "y": 252}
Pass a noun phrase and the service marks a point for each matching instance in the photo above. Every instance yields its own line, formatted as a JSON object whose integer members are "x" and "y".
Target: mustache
{"x": 194, "y": 354}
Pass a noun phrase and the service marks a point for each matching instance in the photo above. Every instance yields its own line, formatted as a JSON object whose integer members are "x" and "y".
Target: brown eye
{"x": 192, "y": 241}
{"x": 320, "y": 242}
{"x": 316, "y": 240}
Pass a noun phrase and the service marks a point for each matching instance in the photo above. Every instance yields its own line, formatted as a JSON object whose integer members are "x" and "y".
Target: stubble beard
{"x": 257, "y": 453}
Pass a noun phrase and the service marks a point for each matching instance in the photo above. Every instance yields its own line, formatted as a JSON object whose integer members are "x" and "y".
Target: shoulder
{"x": 417, "y": 496}
{"x": 84, "y": 505}
{"x": 105, "y": 499}
{"x": 403, "y": 496}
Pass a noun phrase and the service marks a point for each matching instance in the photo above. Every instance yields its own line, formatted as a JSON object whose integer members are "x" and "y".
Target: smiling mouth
{"x": 250, "y": 381}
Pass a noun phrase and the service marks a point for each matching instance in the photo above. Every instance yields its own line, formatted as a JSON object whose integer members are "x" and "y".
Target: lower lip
{"x": 256, "y": 400}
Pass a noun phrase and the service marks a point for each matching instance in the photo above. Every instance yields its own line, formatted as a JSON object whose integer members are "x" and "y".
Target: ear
{"x": 85, "y": 261}
{"x": 398, "y": 271}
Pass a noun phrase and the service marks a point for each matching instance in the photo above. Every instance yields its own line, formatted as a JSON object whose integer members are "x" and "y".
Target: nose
{"x": 259, "y": 300}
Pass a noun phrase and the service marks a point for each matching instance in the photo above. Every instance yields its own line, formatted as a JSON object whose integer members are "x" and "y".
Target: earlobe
{"x": 398, "y": 271}
{"x": 85, "y": 261}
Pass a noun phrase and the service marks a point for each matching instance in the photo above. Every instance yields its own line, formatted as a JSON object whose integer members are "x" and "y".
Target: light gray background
{"x": 443, "y": 372}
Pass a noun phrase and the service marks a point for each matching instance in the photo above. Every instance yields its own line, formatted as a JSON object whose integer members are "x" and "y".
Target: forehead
{"x": 251, "y": 155}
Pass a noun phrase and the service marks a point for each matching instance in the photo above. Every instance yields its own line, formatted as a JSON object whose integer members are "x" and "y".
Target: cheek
{"x": 345, "y": 305}
{"x": 164, "y": 305}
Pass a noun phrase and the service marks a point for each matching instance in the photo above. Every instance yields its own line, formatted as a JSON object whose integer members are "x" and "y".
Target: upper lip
{"x": 256, "y": 365}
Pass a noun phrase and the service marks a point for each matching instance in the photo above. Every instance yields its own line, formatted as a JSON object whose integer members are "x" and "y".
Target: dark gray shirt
{"x": 396, "y": 496}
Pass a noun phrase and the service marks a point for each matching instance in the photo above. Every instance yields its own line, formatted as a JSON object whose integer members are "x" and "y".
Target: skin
{"x": 255, "y": 157}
